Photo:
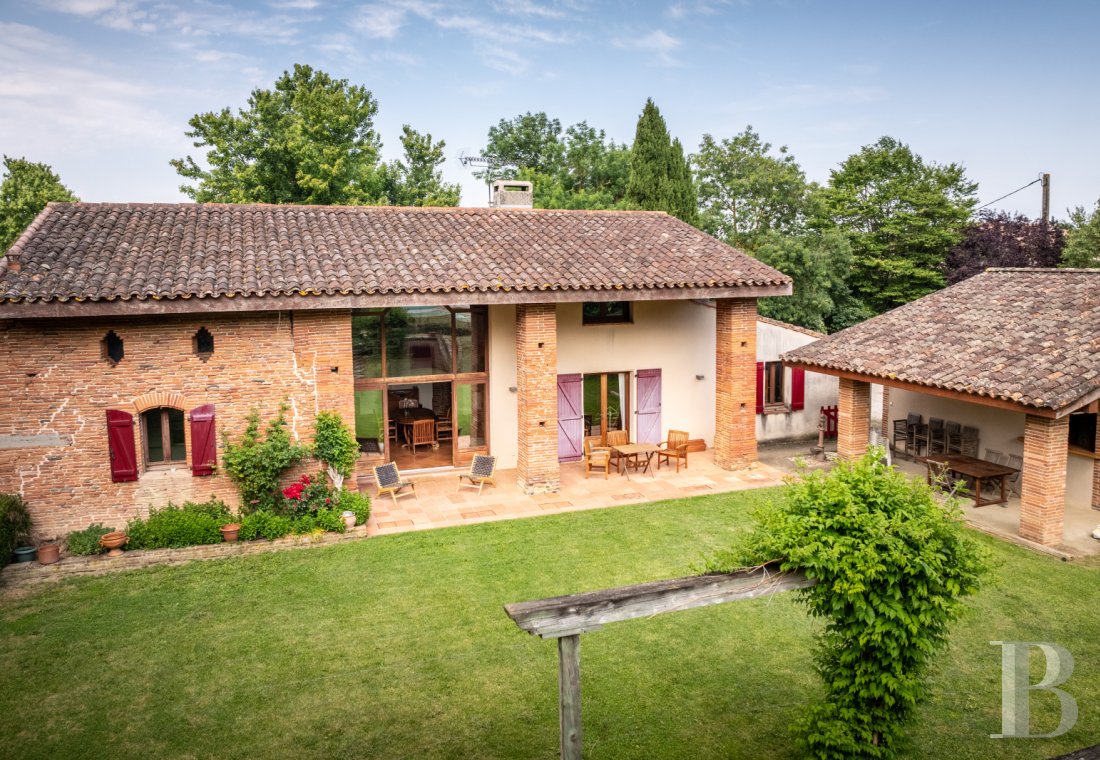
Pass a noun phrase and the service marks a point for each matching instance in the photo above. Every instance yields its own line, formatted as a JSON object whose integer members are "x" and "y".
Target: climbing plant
{"x": 892, "y": 566}
{"x": 335, "y": 447}
{"x": 256, "y": 463}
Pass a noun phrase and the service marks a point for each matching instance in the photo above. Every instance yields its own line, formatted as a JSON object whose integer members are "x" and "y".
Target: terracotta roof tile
{"x": 98, "y": 252}
{"x": 1025, "y": 335}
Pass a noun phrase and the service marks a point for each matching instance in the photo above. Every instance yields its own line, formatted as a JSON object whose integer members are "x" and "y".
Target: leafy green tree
{"x": 660, "y": 179}
{"x": 902, "y": 216}
{"x": 25, "y": 191}
{"x": 417, "y": 181}
{"x": 746, "y": 190}
{"x": 335, "y": 447}
{"x": 1083, "y": 239}
{"x": 818, "y": 263}
{"x": 528, "y": 141}
{"x": 893, "y": 567}
{"x": 309, "y": 140}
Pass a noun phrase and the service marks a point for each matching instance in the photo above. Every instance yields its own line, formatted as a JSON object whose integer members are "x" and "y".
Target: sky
{"x": 102, "y": 89}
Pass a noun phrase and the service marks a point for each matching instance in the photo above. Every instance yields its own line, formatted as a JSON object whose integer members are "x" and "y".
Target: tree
{"x": 335, "y": 447}
{"x": 309, "y": 140}
{"x": 660, "y": 179}
{"x": 417, "y": 181}
{"x": 999, "y": 239}
{"x": 528, "y": 141}
{"x": 818, "y": 263}
{"x": 1083, "y": 238}
{"x": 746, "y": 191}
{"x": 902, "y": 216}
{"x": 25, "y": 191}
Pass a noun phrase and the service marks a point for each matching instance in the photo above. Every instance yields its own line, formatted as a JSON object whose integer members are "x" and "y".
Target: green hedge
{"x": 85, "y": 542}
{"x": 172, "y": 527}
{"x": 15, "y": 525}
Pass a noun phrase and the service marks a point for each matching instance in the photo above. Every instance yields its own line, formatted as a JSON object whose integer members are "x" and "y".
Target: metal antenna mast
{"x": 489, "y": 162}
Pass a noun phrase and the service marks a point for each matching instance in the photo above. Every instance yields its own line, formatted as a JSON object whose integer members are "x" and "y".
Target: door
{"x": 570, "y": 419}
{"x": 648, "y": 429}
{"x": 470, "y": 421}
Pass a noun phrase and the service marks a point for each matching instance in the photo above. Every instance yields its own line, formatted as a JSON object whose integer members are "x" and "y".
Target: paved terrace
{"x": 439, "y": 505}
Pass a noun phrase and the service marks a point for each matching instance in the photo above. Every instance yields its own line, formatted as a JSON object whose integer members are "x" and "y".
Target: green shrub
{"x": 85, "y": 542}
{"x": 255, "y": 465}
{"x": 172, "y": 527}
{"x": 15, "y": 525}
{"x": 307, "y": 494}
{"x": 892, "y": 567}
{"x": 328, "y": 520}
{"x": 264, "y": 524}
{"x": 356, "y": 502}
{"x": 335, "y": 447}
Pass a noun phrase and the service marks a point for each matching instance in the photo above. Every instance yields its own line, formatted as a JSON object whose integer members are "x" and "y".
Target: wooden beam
{"x": 576, "y": 613}
{"x": 569, "y": 696}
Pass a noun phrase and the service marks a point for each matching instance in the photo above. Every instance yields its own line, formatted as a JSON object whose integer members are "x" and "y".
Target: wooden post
{"x": 569, "y": 696}
{"x": 1046, "y": 197}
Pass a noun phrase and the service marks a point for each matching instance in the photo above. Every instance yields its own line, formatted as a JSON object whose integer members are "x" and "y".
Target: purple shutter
{"x": 798, "y": 389}
{"x": 204, "y": 451}
{"x": 570, "y": 418}
{"x": 120, "y": 445}
{"x": 649, "y": 406}
{"x": 760, "y": 387}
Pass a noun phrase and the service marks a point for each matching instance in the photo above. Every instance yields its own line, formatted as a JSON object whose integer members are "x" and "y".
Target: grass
{"x": 398, "y": 647}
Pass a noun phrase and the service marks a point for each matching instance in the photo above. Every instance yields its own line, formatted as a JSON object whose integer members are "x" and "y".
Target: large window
{"x": 607, "y": 313}
{"x": 162, "y": 432}
{"x": 419, "y": 341}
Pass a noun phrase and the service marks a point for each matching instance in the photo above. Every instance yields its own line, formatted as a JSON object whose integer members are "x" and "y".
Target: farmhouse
{"x": 136, "y": 337}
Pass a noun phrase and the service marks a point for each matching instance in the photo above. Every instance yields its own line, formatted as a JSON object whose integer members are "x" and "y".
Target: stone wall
{"x": 57, "y": 380}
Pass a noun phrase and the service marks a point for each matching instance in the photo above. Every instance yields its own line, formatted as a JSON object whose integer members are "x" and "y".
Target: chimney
{"x": 512, "y": 193}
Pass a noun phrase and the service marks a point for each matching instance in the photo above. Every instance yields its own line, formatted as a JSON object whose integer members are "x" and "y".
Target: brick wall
{"x": 537, "y": 388}
{"x": 55, "y": 380}
{"x": 853, "y": 418}
{"x": 1096, "y": 472}
{"x": 735, "y": 383}
{"x": 1043, "y": 494}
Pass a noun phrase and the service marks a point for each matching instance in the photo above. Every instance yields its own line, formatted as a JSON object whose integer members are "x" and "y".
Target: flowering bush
{"x": 308, "y": 494}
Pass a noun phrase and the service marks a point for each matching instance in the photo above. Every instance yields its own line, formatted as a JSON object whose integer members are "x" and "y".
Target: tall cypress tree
{"x": 660, "y": 179}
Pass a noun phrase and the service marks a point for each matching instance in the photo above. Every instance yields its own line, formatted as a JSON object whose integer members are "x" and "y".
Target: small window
{"x": 203, "y": 343}
{"x": 606, "y": 313}
{"x": 773, "y": 384}
{"x": 162, "y": 433}
{"x": 1082, "y": 431}
{"x": 112, "y": 348}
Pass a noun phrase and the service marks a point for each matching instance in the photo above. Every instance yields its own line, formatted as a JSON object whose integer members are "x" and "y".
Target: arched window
{"x": 163, "y": 437}
{"x": 112, "y": 348}
{"x": 203, "y": 343}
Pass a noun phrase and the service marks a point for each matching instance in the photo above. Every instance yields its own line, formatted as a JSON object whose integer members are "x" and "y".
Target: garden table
{"x": 633, "y": 452}
{"x": 977, "y": 469}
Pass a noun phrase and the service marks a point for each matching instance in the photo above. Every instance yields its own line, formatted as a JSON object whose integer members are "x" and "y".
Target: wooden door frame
{"x": 626, "y": 405}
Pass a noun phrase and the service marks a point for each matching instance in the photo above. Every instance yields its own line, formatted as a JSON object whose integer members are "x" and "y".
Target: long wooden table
{"x": 972, "y": 467}
{"x": 634, "y": 451}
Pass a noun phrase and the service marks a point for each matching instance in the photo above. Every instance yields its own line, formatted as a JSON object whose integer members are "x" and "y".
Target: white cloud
{"x": 682, "y": 9}
{"x": 658, "y": 43}
{"x": 528, "y": 8}
{"x": 299, "y": 5}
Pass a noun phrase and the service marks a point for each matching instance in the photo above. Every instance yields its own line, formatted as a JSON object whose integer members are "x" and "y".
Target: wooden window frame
{"x": 603, "y": 318}
{"x": 775, "y": 376}
{"x": 165, "y": 439}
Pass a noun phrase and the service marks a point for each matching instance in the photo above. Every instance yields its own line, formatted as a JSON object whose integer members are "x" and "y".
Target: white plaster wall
{"x": 821, "y": 390}
{"x": 503, "y": 429}
{"x": 999, "y": 430}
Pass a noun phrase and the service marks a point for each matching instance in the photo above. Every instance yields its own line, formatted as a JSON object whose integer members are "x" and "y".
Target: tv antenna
{"x": 489, "y": 162}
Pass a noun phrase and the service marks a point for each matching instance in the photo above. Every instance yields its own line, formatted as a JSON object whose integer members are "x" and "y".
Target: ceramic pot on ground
{"x": 48, "y": 554}
{"x": 113, "y": 541}
{"x": 349, "y": 518}
{"x": 24, "y": 553}
{"x": 230, "y": 531}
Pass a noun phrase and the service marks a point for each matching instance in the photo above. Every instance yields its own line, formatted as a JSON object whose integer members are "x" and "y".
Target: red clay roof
{"x": 1030, "y": 336}
{"x": 107, "y": 252}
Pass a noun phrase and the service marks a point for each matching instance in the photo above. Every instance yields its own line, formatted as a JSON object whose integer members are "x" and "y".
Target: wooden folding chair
{"x": 390, "y": 482}
{"x": 481, "y": 472}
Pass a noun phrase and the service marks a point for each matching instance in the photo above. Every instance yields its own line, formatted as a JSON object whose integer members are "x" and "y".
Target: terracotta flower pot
{"x": 230, "y": 531}
{"x": 113, "y": 541}
{"x": 48, "y": 554}
{"x": 349, "y": 518}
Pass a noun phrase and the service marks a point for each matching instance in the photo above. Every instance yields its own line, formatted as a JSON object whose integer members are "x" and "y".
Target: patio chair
{"x": 444, "y": 427}
{"x": 390, "y": 482}
{"x": 1016, "y": 462}
{"x": 617, "y": 438}
{"x": 994, "y": 456}
{"x": 596, "y": 456}
{"x": 927, "y": 433}
{"x": 937, "y": 436}
{"x": 965, "y": 443}
{"x": 952, "y": 436}
{"x": 676, "y": 447}
{"x": 423, "y": 434}
{"x": 904, "y": 430}
{"x": 481, "y": 472}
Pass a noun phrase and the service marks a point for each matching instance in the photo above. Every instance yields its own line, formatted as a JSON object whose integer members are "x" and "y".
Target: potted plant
{"x": 113, "y": 541}
{"x": 48, "y": 554}
{"x": 25, "y": 553}
{"x": 349, "y": 518}
{"x": 230, "y": 531}
{"x": 15, "y": 529}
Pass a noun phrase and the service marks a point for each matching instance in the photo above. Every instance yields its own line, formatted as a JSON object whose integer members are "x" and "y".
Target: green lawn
{"x": 398, "y": 647}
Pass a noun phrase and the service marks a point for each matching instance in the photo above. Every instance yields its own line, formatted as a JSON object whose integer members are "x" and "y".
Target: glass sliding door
{"x": 606, "y": 400}
{"x": 471, "y": 421}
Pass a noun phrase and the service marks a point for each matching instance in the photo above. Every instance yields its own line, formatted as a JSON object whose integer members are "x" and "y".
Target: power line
{"x": 1029, "y": 184}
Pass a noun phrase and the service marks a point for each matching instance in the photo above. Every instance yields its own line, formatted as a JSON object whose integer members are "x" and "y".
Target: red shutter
{"x": 798, "y": 389}
{"x": 760, "y": 387}
{"x": 204, "y": 450}
{"x": 120, "y": 444}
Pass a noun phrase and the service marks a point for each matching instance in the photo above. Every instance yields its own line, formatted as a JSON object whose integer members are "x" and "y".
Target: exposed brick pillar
{"x": 1096, "y": 471}
{"x": 1043, "y": 497}
{"x": 735, "y": 383}
{"x": 537, "y": 387}
{"x": 884, "y": 422}
{"x": 853, "y": 427}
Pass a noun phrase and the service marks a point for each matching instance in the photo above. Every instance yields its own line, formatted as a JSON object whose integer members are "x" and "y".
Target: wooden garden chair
{"x": 676, "y": 447}
{"x": 422, "y": 434}
{"x": 596, "y": 456}
{"x": 390, "y": 482}
{"x": 481, "y": 472}
{"x": 617, "y": 438}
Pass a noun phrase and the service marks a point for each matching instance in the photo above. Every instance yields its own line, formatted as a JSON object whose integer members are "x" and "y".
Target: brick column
{"x": 884, "y": 423}
{"x": 537, "y": 387}
{"x": 1043, "y": 496}
{"x": 853, "y": 427}
{"x": 1096, "y": 470}
{"x": 735, "y": 383}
